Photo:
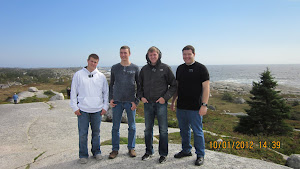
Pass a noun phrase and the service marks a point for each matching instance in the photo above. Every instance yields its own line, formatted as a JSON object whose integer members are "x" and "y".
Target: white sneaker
{"x": 83, "y": 160}
{"x": 98, "y": 157}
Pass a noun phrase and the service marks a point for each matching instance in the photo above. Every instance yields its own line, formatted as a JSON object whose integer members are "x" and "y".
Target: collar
{"x": 190, "y": 64}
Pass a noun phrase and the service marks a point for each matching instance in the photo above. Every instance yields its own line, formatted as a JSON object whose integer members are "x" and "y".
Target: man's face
{"x": 92, "y": 63}
{"x": 153, "y": 56}
{"x": 188, "y": 56}
{"x": 124, "y": 54}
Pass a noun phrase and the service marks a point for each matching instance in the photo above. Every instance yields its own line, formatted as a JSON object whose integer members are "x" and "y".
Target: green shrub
{"x": 33, "y": 99}
{"x": 227, "y": 96}
{"x": 295, "y": 103}
{"x": 49, "y": 93}
{"x": 173, "y": 123}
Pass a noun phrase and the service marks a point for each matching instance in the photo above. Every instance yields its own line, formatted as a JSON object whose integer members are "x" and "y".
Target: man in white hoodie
{"x": 89, "y": 101}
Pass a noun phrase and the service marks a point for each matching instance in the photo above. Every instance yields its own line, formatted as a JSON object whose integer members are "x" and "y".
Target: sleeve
{"x": 172, "y": 85}
{"x": 205, "y": 74}
{"x": 74, "y": 93}
{"x": 138, "y": 86}
{"x": 177, "y": 73}
{"x": 141, "y": 88}
{"x": 111, "y": 84}
{"x": 105, "y": 93}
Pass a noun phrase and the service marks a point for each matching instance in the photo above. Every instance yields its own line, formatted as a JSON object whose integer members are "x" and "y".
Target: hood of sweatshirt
{"x": 158, "y": 61}
{"x": 90, "y": 73}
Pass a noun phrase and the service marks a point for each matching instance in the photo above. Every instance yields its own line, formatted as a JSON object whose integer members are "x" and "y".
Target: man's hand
{"x": 161, "y": 100}
{"x": 144, "y": 100}
{"x": 133, "y": 106}
{"x": 77, "y": 112}
{"x": 112, "y": 104}
{"x": 173, "y": 106}
{"x": 103, "y": 112}
{"x": 203, "y": 110}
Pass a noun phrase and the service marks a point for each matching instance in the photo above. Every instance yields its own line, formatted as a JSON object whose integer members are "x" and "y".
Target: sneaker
{"x": 113, "y": 154}
{"x": 132, "y": 153}
{"x": 182, "y": 154}
{"x": 146, "y": 156}
{"x": 98, "y": 157}
{"x": 199, "y": 161}
{"x": 83, "y": 160}
{"x": 162, "y": 159}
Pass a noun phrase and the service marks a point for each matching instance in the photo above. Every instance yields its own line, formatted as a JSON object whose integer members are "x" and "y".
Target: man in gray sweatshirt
{"x": 122, "y": 95}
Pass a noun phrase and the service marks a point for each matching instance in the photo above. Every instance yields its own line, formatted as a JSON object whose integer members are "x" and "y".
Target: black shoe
{"x": 199, "y": 161}
{"x": 146, "y": 156}
{"x": 162, "y": 159}
{"x": 182, "y": 154}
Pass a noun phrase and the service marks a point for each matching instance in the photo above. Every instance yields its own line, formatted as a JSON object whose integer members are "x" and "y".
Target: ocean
{"x": 287, "y": 75}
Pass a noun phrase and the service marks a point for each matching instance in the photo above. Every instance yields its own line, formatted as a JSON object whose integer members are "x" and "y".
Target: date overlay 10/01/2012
{"x": 244, "y": 144}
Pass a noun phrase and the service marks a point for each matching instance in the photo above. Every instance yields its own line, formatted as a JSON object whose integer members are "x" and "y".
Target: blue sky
{"x": 62, "y": 33}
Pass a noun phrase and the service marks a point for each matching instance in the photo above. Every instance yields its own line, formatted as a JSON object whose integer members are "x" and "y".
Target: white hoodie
{"x": 89, "y": 91}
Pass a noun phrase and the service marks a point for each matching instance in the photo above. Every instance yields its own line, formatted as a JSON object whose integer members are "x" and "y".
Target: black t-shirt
{"x": 190, "y": 79}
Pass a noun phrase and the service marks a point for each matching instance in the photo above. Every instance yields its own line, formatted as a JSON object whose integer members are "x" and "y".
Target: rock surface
{"x": 58, "y": 96}
{"x": 32, "y": 89}
{"x": 35, "y": 136}
{"x": 109, "y": 115}
{"x": 40, "y": 94}
{"x": 239, "y": 100}
{"x": 294, "y": 161}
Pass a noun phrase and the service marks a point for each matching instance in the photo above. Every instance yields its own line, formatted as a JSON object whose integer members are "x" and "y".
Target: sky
{"x": 62, "y": 33}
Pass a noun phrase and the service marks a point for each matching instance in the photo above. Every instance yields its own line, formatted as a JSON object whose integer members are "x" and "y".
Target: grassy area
{"x": 34, "y": 99}
{"x": 124, "y": 140}
{"x": 222, "y": 124}
{"x": 7, "y": 93}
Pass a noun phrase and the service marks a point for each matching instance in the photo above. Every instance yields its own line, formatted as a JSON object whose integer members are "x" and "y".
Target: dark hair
{"x": 125, "y": 47}
{"x": 93, "y": 56}
{"x": 189, "y": 47}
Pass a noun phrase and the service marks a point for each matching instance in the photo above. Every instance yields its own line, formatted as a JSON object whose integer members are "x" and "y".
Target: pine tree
{"x": 267, "y": 109}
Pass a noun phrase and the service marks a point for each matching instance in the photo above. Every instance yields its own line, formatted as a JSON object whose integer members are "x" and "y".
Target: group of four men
{"x": 154, "y": 85}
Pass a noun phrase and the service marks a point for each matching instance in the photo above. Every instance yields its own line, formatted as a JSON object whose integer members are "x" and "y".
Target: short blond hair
{"x": 153, "y": 49}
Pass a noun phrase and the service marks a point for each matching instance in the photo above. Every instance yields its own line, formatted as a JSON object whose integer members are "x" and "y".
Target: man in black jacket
{"x": 158, "y": 85}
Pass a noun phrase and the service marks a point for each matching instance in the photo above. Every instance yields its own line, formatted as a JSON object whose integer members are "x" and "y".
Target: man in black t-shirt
{"x": 193, "y": 93}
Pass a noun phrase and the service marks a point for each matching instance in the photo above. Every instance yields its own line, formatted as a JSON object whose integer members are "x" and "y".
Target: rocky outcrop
{"x": 58, "y": 96}
{"x": 239, "y": 100}
{"x": 32, "y": 89}
{"x": 211, "y": 107}
{"x": 241, "y": 89}
{"x": 109, "y": 115}
{"x": 293, "y": 161}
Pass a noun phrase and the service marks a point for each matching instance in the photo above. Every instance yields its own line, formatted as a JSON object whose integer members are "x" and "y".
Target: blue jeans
{"x": 83, "y": 126}
{"x": 188, "y": 119}
{"x": 160, "y": 110}
{"x": 117, "y": 117}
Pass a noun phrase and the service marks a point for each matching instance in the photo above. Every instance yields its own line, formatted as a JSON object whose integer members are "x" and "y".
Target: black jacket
{"x": 156, "y": 81}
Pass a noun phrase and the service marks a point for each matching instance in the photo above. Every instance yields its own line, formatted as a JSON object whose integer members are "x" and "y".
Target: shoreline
{"x": 243, "y": 89}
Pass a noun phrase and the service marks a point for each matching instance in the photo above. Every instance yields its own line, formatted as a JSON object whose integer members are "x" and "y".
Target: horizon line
{"x": 145, "y": 64}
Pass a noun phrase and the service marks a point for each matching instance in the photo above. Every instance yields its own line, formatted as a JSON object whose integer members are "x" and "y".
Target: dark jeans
{"x": 83, "y": 126}
{"x": 150, "y": 111}
{"x": 188, "y": 119}
{"x": 117, "y": 117}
